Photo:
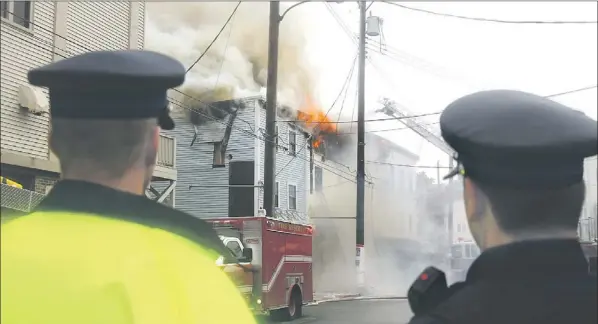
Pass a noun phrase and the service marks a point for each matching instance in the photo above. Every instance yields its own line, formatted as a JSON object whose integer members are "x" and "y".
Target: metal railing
{"x": 167, "y": 151}
{"x": 19, "y": 199}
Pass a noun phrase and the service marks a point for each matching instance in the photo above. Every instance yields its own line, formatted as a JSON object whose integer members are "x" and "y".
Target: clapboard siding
{"x": 194, "y": 163}
{"x": 97, "y": 26}
{"x": 289, "y": 169}
{"x": 141, "y": 26}
{"x": 20, "y": 50}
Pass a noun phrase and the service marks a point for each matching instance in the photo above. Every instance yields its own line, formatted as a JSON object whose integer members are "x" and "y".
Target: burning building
{"x": 220, "y": 154}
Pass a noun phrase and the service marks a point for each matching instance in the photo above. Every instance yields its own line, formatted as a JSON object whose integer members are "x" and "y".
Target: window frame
{"x": 318, "y": 186}
{"x": 276, "y": 194}
{"x": 10, "y": 19}
{"x": 289, "y": 196}
{"x": 218, "y": 154}
{"x": 292, "y": 144}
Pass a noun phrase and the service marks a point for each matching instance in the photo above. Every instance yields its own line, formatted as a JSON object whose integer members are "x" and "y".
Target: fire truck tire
{"x": 295, "y": 309}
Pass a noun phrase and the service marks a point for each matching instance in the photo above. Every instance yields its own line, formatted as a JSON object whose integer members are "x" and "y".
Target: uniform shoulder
{"x": 426, "y": 319}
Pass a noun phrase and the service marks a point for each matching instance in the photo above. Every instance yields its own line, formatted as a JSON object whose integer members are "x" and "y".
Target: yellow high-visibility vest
{"x": 72, "y": 268}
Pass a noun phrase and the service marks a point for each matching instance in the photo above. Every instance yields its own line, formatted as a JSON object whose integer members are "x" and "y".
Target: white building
{"x": 587, "y": 223}
{"x": 391, "y": 222}
{"x": 35, "y": 33}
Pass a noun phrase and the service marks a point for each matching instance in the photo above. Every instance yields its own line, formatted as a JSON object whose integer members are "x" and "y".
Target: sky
{"x": 430, "y": 61}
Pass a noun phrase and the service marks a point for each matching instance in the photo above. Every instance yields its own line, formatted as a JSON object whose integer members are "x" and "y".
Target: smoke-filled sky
{"x": 429, "y": 61}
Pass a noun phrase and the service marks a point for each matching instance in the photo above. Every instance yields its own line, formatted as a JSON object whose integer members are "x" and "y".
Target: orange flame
{"x": 314, "y": 118}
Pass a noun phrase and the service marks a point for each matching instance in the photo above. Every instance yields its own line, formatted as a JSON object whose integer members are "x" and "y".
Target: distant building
{"x": 220, "y": 154}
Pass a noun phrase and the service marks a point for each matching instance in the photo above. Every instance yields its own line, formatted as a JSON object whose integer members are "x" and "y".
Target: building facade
{"x": 391, "y": 224}
{"x": 220, "y": 154}
{"x": 35, "y": 33}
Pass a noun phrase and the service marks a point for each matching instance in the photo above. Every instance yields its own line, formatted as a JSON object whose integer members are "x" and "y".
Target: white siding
{"x": 141, "y": 26}
{"x": 89, "y": 26}
{"x": 20, "y": 50}
{"x": 97, "y": 26}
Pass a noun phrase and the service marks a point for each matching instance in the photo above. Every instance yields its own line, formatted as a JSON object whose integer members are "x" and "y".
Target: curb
{"x": 355, "y": 297}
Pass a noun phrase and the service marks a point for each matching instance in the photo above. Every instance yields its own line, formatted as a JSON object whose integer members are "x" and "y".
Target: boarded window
{"x": 4, "y": 9}
{"x": 22, "y": 13}
{"x": 292, "y": 197}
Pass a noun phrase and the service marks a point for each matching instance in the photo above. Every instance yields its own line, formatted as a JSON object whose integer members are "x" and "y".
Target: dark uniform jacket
{"x": 534, "y": 282}
{"x": 89, "y": 198}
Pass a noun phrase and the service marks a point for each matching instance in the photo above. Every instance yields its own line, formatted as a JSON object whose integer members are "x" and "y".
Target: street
{"x": 372, "y": 311}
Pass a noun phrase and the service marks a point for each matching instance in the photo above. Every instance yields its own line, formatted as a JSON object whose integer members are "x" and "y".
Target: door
{"x": 241, "y": 190}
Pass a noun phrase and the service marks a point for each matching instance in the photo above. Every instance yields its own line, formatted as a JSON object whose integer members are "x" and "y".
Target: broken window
{"x": 219, "y": 160}
{"x": 292, "y": 197}
{"x": 292, "y": 142}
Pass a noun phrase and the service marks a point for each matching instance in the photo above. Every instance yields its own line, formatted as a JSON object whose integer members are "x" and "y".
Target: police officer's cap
{"x": 515, "y": 139}
{"x": 129, "y": 84}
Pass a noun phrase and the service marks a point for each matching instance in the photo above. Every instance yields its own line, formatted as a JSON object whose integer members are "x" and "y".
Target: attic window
{"x": 218, "y": 161}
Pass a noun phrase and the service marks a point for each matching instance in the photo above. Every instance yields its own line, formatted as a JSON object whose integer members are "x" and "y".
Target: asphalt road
{"x": 372, "y": 311}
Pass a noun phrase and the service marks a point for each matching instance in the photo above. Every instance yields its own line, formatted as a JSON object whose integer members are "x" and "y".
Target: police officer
{"x": 521, "y": 157}
{"x": 96, "y": 250}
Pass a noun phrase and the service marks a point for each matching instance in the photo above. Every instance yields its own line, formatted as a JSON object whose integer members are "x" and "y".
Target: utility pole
{"x": 361, "y": 127}
{"x": 271, "y": 88}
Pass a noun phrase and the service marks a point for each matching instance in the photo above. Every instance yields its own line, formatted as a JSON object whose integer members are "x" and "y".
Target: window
{"x": 276, "y": 195}
{"x": 218, "y": 155}
{"x": 235, "y": 248}
{"x": 457, "y": 251}
{"x": 19, "y": 12}
{"x": 292, "y": 197}
{"x": 318, "y": 178}
{"x": 276, "y": 137}
{"x": 292, "y": 142}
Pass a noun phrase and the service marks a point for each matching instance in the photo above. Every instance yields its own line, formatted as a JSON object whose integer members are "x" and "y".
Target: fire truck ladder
{"x": 390, "y": 108}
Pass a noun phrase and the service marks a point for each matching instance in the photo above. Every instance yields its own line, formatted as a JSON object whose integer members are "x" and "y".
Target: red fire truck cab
{"x": 271, "y": 262}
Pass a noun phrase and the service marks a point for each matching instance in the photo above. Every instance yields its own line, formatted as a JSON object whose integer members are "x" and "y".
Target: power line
{"x": 230, "y": 31}
{"x": 481, "y": 19}
{"x": 367, "y": 120}
{"x": 170, "y": 99}
{"x": 345, "y": 85}
{"x": 572, "y": 91}
{"x": 215, "y": 38}
{"x": 408, "y": 165}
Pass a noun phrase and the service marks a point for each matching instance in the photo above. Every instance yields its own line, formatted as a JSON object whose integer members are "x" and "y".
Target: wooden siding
{"x": 89, "y": 25}
{"x": 97, "y": 26}
{"x": 20, "y": 51}
{"x": 194, "y": 163}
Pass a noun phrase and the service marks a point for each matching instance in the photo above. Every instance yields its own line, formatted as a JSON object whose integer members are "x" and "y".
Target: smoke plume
{"x": 236, "y": 64}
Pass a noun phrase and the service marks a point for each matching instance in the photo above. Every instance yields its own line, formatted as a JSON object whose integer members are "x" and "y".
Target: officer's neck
{"x": 131, "y": 182}
{"x": 498, "y": 238}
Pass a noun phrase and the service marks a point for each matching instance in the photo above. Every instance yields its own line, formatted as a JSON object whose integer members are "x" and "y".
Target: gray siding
{"x": 21, "y": 50}
{"x": 141, "y": 26}
{"x": 289, "y": 169}
{"x": 194, "y": 163}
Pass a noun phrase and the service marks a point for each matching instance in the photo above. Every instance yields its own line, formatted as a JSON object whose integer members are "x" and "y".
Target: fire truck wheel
{"x": 295, "y": 309}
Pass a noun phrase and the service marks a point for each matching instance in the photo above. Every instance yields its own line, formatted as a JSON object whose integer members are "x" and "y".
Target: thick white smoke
{"x": 236, "y": 64}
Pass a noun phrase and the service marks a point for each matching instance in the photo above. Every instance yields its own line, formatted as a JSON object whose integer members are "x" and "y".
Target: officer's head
{"x": 107, "y": 109}
{"x": 522, "y": 158}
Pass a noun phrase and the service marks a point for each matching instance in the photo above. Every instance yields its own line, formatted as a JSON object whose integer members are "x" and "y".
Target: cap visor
{"x": 166, "y": 122}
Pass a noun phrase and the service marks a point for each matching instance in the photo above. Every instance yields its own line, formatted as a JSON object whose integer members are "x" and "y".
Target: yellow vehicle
{"x": 11, "y": 183}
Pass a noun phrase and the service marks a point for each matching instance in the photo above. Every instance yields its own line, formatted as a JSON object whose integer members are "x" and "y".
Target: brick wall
{"x": 43, "y": 182}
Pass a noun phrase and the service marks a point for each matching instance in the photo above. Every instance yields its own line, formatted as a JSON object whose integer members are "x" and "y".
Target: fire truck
{"x": 270, "y": 261}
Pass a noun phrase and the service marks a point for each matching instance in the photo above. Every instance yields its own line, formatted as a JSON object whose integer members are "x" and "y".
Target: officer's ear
{"x": 475, "y": 202}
